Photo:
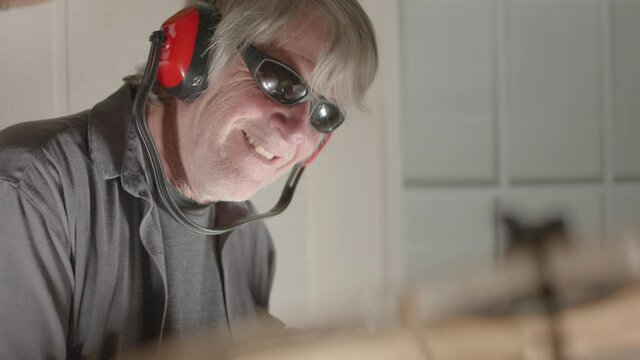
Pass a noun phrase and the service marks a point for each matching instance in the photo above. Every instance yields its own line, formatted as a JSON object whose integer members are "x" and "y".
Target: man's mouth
{"x": 258, "y": 148}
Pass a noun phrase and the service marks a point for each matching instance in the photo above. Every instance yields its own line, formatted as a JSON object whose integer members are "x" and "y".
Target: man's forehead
{"x": 286, "y": 53}
{"x": 301, "y": 40}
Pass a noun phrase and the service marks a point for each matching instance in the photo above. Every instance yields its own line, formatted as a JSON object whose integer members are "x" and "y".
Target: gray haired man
{"x": 92, "y": 264}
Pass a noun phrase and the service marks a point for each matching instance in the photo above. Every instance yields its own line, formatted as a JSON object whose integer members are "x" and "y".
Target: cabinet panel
{"x": 447, "y": 232}
{"x": 553, "y": 89}
{"x": 625, "y": 56}
{"x": 27, "y": 58}
{"x": 448, "y": 90}
{"x": 626, "y": 207}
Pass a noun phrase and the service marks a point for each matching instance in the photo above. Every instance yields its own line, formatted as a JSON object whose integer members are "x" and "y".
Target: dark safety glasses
{"x": 283, "y": 85}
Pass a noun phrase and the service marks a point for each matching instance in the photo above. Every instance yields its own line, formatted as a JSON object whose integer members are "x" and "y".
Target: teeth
{"x": 259, "y": 149}
{"x": 262, "y": 151}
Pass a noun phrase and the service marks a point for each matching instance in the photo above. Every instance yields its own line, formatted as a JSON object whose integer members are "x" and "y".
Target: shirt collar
{"x": 107, "y": 132}
{"x": 114, "y": 147}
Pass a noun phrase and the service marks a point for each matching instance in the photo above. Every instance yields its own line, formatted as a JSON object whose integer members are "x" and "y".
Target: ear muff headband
{"x": 183, "y": 66}
{"x": 315, "y": 154}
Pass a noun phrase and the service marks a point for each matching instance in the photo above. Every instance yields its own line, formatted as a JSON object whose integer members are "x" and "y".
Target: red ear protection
{"x": 183, "y": 66}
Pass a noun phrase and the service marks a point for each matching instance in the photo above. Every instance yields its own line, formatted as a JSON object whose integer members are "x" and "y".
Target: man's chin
{"x": 232, "y": 193}
{"x": 237, "y": 197}
{"x": 244, "y": 188}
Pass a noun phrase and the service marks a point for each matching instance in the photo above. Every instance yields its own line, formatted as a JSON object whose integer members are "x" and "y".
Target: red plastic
{"x": 180, "y": 32}
{"x": 318, "y": 150}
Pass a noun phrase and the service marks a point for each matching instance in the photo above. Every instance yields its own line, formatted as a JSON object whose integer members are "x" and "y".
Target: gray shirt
{"x": 82, "y": 262}
{"x": 195, "y": 300}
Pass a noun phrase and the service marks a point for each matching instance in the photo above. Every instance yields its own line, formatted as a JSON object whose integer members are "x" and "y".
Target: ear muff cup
{"x": 183, "y": 66}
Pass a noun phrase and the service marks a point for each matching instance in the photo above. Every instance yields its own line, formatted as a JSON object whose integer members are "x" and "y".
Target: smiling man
{"x": 92, "y": 262}
{"x": 255, "y": 138}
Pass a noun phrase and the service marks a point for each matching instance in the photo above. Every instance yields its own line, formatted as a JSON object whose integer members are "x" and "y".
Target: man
{"x": 92, "y": 264}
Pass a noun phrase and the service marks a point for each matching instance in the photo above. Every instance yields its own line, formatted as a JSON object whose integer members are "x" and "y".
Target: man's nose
{"x": 294, "y": 122}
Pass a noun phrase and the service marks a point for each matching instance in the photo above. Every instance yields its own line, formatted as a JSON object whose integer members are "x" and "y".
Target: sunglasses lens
{"x": 280, "y": 83}
{"x": 326, "y": 117}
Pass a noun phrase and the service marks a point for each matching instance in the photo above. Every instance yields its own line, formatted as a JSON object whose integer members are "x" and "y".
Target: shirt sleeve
{"x": 36, "y": 280}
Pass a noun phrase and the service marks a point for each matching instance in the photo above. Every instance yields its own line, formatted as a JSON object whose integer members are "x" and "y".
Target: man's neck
{"x": 161, "y": 121}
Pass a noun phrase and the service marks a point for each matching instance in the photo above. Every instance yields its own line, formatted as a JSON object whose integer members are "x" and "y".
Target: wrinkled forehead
{"x": 300, "y": 41}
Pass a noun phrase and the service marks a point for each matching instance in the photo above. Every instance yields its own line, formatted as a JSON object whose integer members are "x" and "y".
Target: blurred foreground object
{"x": 495, "y": 313}
{"x": 335, "y": 344}
{"x": 605, "y": 330}
{"x": 549, "y": 302}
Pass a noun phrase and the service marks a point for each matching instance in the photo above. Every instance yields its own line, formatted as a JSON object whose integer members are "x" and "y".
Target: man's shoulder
{"x": 41, "y": 142}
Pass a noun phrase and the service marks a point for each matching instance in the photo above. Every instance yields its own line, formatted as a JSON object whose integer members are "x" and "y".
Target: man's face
{"x": 234, "y": 140}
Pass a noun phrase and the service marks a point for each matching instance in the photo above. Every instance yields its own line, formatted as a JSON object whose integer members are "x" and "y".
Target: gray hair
{"x": 347, "y": 64}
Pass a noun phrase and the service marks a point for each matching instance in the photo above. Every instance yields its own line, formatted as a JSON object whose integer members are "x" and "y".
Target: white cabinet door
{"x": 448, "y": 231}
{"x": 448, "y": 90}
{"x": 625, "y": 48}
{"x": 553, "y": 90}
{"x": 107, "y": 40}
{"x": 626, "y": 208}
